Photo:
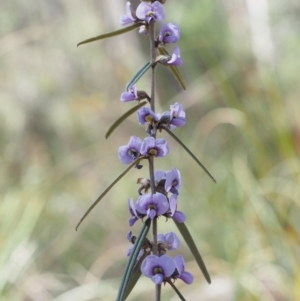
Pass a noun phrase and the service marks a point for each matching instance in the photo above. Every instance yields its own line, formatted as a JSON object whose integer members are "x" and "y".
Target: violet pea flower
{"x": 129, "y": 95}
{"x": 170, "y": 240}
{"x": 133, "y": 213}
{"x": 173, "y": 180}
{"x": 129, "y": 17}
{"x": 177, "y": 116}
{"x": 154, "y": 147}
{"x": 128, "y": 153}
{"x": 169, "y": 33}
{"x": 150, "y": 11}
{"x": 158, "y": 268}
{"x": 146, "y": 115}
{"x": 175, "y": 59}
{"x": 152, "y": 205}
{"x": 180, "y": 266}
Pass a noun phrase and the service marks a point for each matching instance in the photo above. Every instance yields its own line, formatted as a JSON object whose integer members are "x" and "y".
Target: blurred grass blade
{"x": 191, "y": 244}
{"x": 136, "y": 273}
{"x": 174, "y": 69}
{"x": 106, "y": 191}
{"x": 176, "y": 290}
{"x": 189, "y": 152}
{"x": 123, "y": 117}
{"x": 139, "y": 74}
{"x": 110, "y": 34}
{"x": 132, "y": 260}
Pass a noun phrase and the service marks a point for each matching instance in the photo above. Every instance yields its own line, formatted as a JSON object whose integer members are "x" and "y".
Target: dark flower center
{"x": 157, "y": 270}
{"x": 133, "y": 153}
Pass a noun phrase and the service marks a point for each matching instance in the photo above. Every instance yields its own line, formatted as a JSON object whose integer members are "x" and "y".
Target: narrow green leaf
{"x": 176, "y": 290}
{"x": 111, "y": 34}
{"x": 139, "y": 74}
{"x": 174, "y": 69}
{"x": 191, "y": 244}
{"x": 106, "y": 191}
{"x": 189, "y": 152}
{"x": 136, "y": 273}
{"x": 123, "y": 117}
{"x": 132, "y": 260}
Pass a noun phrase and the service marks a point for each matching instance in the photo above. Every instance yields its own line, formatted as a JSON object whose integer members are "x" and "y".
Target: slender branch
{"x": 151, "y": 163}
{"x": 153, "y": 57}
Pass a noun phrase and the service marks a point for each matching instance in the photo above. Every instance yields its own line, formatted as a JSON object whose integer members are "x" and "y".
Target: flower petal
{"x": 187, "y": 277}
{"x": 179, "y": 216}
{"x": 167, "y": 264}
{"x": 157, "y": 279}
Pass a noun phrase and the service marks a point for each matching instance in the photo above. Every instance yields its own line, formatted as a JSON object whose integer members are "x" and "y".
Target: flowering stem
{"x": 151, "y": 161}
{"x": 153, "y": 57}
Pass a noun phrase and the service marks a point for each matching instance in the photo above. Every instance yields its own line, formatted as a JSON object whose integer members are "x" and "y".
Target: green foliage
{"x": 193, "y": 248}
{"x": 123, "y": 118}
{"x": 110, "y": 34}
{"x": 132, "y": 262}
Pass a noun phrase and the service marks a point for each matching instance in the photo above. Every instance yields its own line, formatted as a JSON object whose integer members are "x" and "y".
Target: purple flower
{"x": 170, "y": 240}
{"x": 133, "y": 213}
{"x": 158, "y": 268}
{"x": 169, "y": 33}
{"x": 129, "y": 17}
{"x": 175, "y": 59}
{"x": 182, "y": 274}
{"x": 150, "y": 11}
{"x": 173, "y": 180}
{"x": 154, "y": 147}
{"x": 177, "y": 116}
{"x": 173, "y": 118}
{"x": 146, "y": 115}
{"x": 132, "y": 238}
{"x": 128, "y": 153}
{"x": 159, "y": 175}
{"x": 152, "y": 204}
{"x": 129, "y": 95}
{"x": 129, "y": 251}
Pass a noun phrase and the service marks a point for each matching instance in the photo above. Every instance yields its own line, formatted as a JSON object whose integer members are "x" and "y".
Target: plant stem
{"x": 153, "y": 57}
{"x": 151, "y": 163}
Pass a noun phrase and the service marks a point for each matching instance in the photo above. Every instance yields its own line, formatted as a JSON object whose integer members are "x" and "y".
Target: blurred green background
{"x": 241, "y": 66}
